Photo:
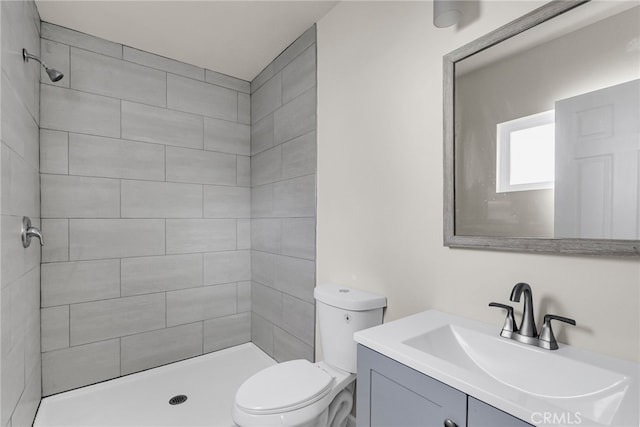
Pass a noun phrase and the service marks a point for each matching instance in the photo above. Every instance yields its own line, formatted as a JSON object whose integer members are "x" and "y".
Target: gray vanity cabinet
{"x": 394, "y": 395}
{"x": 390, "y": 394}
{"x": 479, "y": 414}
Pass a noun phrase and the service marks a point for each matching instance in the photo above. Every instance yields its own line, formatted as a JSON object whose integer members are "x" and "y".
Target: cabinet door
{"x": 483, "y": 415}
{"x": 391, "y": 394}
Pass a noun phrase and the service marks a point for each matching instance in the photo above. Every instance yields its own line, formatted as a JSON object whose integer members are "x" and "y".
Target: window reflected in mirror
{"x": 525, "y": 153}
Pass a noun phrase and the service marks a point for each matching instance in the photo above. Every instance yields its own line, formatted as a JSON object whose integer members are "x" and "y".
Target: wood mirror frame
{"x": 605, "y": 247}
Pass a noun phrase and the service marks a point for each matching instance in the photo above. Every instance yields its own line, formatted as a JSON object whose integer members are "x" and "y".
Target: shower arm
{"x": 27, "y": 56}
{"x": 54, "y": 75}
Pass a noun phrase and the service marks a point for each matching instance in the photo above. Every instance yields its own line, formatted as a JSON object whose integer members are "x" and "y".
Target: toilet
{"x": 300, "y": 393}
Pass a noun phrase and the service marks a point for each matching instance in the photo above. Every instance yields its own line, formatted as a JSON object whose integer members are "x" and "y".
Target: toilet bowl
{"x": 304, "y": 394}
{"x": 295, "y": 393}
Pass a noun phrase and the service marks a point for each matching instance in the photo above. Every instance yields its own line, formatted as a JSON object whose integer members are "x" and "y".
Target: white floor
{"x": 141, "y": 399}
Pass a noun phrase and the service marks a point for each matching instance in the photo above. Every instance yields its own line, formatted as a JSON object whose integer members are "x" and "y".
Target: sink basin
{"x": 523, "y": 380}
{"x": 524, "y": 367}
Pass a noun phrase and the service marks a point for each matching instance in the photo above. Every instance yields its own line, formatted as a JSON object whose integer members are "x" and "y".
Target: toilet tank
{"x": 342, "y": 311}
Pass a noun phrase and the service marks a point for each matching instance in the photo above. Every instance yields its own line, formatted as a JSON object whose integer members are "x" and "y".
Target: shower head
{"x": 53, "y": 74}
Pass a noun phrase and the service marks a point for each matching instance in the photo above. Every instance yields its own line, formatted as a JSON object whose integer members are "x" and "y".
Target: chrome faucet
{"x": 527, "y": 332}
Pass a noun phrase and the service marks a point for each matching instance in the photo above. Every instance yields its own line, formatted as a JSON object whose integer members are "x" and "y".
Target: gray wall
{"x": 283, "y": 202}
{"x": 20, "y": 272}
{"x": 145, "y": 175}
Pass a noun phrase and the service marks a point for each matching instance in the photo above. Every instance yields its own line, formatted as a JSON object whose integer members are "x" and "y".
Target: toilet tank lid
{"x": 348, "y": 298}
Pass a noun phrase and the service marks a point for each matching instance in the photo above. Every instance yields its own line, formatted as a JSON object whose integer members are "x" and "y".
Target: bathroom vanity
{"x": 390, "y": 393}
{"x": 439, "y": 369}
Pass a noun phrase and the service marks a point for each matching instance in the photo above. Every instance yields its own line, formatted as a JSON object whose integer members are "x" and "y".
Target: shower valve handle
{"x": 28, "y": 231}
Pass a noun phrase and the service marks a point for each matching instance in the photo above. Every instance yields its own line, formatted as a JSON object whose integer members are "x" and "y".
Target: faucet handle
{"x": 509, "y": 326}
{"x": 547, "y": 339}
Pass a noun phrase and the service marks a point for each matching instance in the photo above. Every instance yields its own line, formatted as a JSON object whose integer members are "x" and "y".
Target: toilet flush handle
{"x": 449, "y": 423}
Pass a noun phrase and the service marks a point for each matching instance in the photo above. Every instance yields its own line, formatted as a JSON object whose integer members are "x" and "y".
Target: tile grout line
{"x": 141, "y": 142}
{"x": 68, "y": 153}
{"x": 146, "y": 294}
{"x": 102, "y": 340}
{"x": 120, "y": 265}
{"x": 69, "y": 65}
{"x": 102, "y": 177}
{"x": 137, "y": 101}
{"x": 150, "y": 255}
{"x": 203, "y": 129}
{"x": 122, "y": 58}
{"x": 69, "y": 313}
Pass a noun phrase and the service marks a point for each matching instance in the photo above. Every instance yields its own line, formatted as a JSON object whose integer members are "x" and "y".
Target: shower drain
{"x": 177, "y": 400}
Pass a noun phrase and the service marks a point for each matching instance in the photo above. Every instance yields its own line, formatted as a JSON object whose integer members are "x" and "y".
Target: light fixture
{"x": 446, "y": 12}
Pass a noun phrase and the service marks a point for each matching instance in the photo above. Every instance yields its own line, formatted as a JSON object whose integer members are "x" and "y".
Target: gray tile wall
{"x": 145, "y": 175}
{"x": 20, "y": 365}
{"x": 283, "y": 202}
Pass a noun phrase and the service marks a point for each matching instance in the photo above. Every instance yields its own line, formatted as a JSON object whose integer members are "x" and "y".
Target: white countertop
{"x": 389, "y": 339}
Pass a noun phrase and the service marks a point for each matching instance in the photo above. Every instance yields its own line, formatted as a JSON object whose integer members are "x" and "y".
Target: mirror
{"x": 542, "y": 133}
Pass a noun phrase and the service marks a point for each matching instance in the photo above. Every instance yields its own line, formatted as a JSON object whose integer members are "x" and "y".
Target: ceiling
{"x": 238, "y": 38}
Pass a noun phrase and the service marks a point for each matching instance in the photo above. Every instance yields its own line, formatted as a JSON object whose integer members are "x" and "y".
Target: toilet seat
{"x": 284, "y": 387}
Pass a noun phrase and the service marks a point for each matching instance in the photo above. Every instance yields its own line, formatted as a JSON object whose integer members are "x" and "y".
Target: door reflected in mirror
{"x": 596, "y": 179}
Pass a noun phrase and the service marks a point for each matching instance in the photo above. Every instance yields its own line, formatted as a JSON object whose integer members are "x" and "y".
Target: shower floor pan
{"x": 209, "y": 383}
